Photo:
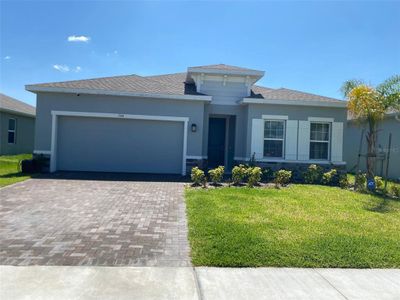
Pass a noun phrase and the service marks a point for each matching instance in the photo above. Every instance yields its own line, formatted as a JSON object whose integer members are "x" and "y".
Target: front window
{"x": 274, "y": 136}
{"x": 319, "y": 141}
{"x": 12, "y": 126}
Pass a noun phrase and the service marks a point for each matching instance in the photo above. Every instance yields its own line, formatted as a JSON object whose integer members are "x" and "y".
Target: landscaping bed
{"x": 296, "y": 226}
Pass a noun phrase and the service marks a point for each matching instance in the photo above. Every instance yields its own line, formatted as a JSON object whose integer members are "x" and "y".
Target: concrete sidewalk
{"x": 40, "y": 282}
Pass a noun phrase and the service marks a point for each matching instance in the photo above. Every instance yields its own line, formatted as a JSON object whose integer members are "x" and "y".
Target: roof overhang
{"x": 41, "y": 89}
{"x": 226, "y": 72}
{"x": 294, "y": 102}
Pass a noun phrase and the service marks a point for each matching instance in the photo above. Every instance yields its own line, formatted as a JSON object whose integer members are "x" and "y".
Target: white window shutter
{"x": 337, "y": 142}
{"x": 291, "y": 140}
{"x": 257, "y": 138}
{"x": 304, "y": 140}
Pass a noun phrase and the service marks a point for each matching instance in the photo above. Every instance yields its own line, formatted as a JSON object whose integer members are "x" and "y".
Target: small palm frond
{"x": 349, "y": 85}
{"x": 389, "y": 91}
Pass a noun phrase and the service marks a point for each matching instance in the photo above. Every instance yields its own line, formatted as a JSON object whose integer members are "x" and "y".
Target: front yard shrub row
{"x": 252, "y": 176}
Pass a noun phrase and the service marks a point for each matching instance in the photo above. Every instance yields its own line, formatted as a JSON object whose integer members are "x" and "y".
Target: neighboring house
{"x": 352, "y": 138}
{"x": 208, "y": 116}
{"x": 17, "y": 126}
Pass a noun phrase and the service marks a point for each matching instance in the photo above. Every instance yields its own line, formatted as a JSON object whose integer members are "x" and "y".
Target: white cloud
{"x": 65, "y": 68}
{"x": 115, "y": 52}
{"x": 61, "y": 68}
{"x": 78, "y": 38}
{"x": 7, "y": 57}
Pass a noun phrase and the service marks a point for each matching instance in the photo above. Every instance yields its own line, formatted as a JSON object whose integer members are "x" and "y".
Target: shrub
{"x": 282, "y": 177}
{"x": 379, "y": 184}
{"x": 238, "y": 174}
{"x": 313, "y": 174}
{"x": 197, "y": 176}
{"x": 395, "y": 190}
{"x": 343, "y": 181}
{"x": 327, "y": 177}
{"x": 268, "y": 174}
{"x": 253, "y": 176}
{"x": 360, "y": 181}
{"x": 216, "y": 174}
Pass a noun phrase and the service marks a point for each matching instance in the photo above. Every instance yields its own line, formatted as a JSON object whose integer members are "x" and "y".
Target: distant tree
{"x": 369, "y": 104}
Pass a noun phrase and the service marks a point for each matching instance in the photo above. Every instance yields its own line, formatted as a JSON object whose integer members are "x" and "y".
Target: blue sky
{"x": 310, "y": 46}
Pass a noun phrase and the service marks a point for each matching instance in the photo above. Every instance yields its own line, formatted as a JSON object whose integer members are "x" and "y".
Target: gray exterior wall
{"x": 24, "y": 134}
{"x": 46, "y": 102}
{"x": 255, "y": 111}
{"x": 351, "y": 143}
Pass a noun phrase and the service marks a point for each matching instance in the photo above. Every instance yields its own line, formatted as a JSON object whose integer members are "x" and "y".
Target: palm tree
{"x": 367, "y": 103}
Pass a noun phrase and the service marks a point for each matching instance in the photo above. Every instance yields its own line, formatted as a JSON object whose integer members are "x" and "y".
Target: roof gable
{"x": 13, "y": 105}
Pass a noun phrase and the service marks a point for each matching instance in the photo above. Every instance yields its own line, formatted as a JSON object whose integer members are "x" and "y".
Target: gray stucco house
{"x": 352, "y": 137}
{"x": 207, "y": 116}
{"x": 17, "y": 126}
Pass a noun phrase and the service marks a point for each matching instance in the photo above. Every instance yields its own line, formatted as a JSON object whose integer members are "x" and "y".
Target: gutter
{"x": 293, "y": 102}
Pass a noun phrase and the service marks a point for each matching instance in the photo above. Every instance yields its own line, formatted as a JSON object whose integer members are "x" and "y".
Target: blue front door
{"x": 216, "y": 142}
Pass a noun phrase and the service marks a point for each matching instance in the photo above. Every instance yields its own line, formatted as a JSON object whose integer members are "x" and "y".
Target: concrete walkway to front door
{"x": 38, "y": 282}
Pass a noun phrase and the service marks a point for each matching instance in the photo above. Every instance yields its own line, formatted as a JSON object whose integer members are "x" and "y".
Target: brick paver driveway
{"x": 60, "y": 221}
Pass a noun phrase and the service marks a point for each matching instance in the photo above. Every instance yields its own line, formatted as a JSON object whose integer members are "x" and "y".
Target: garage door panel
{"x": 119, "y": 145}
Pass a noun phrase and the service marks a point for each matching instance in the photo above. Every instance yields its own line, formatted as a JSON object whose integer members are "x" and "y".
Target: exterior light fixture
{"x": 194, "y": 127}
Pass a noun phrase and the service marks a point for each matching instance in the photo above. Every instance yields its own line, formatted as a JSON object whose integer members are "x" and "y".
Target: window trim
{"x": 10, "y": 130}
{"x": 283, "y": 139}
{"x": 321, "y": 141}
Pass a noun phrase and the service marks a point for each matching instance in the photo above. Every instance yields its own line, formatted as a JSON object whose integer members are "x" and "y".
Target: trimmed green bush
{"x": 197, "y": 176}
{"x": 344, "y": 181}
{"x": 313, "y": 174}
{"x": 282, "y": 177}
{"x": 327, "y": 177}
{"x": 268, "y": 175}
{"x": 239, "y": 174}
{"x": 253, "y": 176}
{"x": 394, "y": 190}
{"x": 379, "y": 184}
{"x": 216, "y": 174}
{"x": 360, "y": 181}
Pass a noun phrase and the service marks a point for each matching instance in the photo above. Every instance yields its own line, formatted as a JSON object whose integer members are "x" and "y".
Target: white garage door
{"x": 119, "y": 145}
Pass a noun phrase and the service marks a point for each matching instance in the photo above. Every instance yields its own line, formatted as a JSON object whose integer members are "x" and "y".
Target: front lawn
{"x": 298, "y": 226}
{"x": 9, "y": 169}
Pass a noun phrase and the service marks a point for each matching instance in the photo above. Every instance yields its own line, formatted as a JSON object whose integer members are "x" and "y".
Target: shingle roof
{"x": 10, "y": 104}
{"x": 172, "y": 84}
{"x": 287, "y": 94}
{"x": 176, "y": 84}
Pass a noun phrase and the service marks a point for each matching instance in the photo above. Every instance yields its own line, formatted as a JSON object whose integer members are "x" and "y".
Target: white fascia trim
{"x": 322, "y": 162}
{"x": 45, "y": 152}
{"x": 225, "y": 72}
{"x": 36, "y": 89}
{"x": 118, "y": 116}
{"x": 56, "y": 114}
{"x": 196, "y": 156}
{"x": 318, "y": 119}
{"x": 275, "y": 117}
{"x": 293, "y": 102}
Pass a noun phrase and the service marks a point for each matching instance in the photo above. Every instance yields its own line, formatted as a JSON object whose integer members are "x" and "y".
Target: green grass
{"x": 9, "y": 169}
{"x": 299, "y": 226}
